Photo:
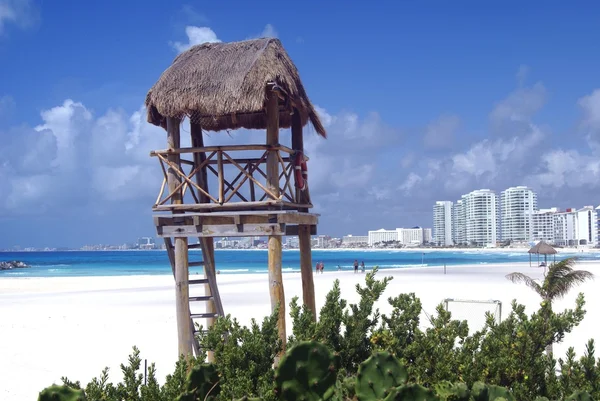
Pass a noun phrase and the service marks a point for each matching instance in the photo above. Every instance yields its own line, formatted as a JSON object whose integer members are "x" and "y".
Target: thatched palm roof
{"x": 223, "y": 86}
{"x": 542, "y": 248}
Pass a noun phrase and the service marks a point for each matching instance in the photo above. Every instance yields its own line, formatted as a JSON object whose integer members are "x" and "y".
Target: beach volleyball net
{"x": 474, "y": 311}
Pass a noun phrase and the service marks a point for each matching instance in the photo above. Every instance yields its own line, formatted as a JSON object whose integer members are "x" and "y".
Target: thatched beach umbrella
{"x": 223, "y": 86}
{"x": 542, "y": 248}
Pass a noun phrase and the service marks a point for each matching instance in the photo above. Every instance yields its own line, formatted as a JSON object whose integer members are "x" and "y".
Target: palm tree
{"x": 558, "y": 281}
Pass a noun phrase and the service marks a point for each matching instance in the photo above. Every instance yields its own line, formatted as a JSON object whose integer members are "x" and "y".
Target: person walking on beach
{"x": 355, "y": 266}
{"x": 318, "y": 266}
{"x": 362, "y": 266}
{"x": 322, "y": 267}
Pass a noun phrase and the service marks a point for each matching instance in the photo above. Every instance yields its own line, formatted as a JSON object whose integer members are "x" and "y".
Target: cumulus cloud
{"x": 21, "y": 13}
{"x": 520, "y": 105}
{"x": 196, "y": 35}
{"x": 590, "y": 106}
{"x": 496, "y": 162}
{"x": 440, "y": 132}
{"x": 73, "y": 156}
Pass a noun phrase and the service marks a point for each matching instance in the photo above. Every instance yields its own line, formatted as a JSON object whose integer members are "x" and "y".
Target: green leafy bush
{"x": 441, "y": 361}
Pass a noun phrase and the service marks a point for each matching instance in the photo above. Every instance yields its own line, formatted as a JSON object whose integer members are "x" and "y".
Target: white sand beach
{"x": 53, "y": 327}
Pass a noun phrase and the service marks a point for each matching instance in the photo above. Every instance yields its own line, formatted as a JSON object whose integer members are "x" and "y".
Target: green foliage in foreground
{"x": 435, "y": 360}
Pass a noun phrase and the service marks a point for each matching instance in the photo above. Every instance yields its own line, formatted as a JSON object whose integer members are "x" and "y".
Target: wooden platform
{"x": 234, "y": 224}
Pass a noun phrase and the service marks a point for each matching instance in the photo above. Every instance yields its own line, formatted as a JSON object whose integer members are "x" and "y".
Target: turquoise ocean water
{"x": 124, "y": 263}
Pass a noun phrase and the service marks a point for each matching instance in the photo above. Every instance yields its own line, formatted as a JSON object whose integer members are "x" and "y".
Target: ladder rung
{"x": 203, "y": 315}
{"x": 201, "y": 298}
{"x": 198, "y": 281}
{"x": 192, "y": 264}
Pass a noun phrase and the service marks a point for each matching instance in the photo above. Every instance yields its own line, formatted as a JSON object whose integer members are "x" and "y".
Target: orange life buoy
{"x": 300, "y": 171}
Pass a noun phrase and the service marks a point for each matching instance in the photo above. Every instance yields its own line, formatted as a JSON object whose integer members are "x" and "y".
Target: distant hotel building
{"x": 406, "y": 236}
{"x": 355, "y": 239}
{"x": 481, "y": 216}
{"x": 382, "y": 235}
{"x": 459, "y": 223}
{"x": 543, "y": 225}
{"x": 442, "y": 223}
{"x": 517, "y": 205}
{"x": 576, "y": 227}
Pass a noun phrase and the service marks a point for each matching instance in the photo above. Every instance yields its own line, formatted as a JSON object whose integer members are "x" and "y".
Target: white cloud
{"x": 494, "y": 162}
{"x": 440, "y": 132}
{"x": 520, "y": 105}
{"x": 269, "y": 32}
{"x": 75, "y": 157}
{"x": 566, "y": 169}
{"x": 590, "y": 105}
{"x": 409, "y": 183}
{"x": 196, "y": 35}
{"x": 19, "y": 12}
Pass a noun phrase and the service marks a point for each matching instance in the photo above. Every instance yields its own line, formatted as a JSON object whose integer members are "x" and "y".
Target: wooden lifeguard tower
{"x": 235, "y": 190}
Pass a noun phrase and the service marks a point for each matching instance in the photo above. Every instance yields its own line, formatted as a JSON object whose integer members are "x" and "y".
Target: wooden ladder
{"x": 208, "y": 284}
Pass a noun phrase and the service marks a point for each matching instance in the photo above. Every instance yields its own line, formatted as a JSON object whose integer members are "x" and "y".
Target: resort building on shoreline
{"x": 481, "y": 215}
{"x": 543, "y": 225}
{"x": 576, "y": 227}
{"x": 349, "y": 240}
{"x": 442, "y": 223}
{"x": 480, "y": 218}
{"x": 414, "y": 236}
{"x": 382, "y": 235}
{"x": 517, "y": 206}
{"x": 459, "y": 223}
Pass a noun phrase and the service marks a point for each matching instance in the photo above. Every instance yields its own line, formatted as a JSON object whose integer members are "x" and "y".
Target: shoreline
{"x": 23, "y": 274}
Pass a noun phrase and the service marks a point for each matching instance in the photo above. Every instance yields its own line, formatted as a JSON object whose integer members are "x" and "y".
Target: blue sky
{"x": 423, "y": 101}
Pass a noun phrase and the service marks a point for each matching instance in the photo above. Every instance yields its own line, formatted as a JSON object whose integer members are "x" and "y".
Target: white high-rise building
{"x": 459, "y": 223}
{"x": 517, "y": 205}
{"x": 481, "y": 215}
{"x": 598, "y": 226}
{"x": 543, "y": 225}
{"x": 587, "y": 232}
{"x": 442, "y": 223}
{"x": 576, "y": 227}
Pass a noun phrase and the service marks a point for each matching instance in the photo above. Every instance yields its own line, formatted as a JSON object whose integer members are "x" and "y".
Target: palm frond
{"x": 562, "y": 277}
{"x": 528, "y": 281}
{"x": 557, "y": 270}
{"x": 561, "y": 287}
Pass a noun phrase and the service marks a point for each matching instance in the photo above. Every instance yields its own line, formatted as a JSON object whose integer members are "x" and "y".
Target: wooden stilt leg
{"x": 308, "y": 285}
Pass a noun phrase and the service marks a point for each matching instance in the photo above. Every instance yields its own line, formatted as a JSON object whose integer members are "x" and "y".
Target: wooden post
{"x": 182, "y": 301}
{"x": 275, "y": 276}
{"x": 298, "y": 144}
{"x": 208, "y": 245}
{"x": 308, "y": 285}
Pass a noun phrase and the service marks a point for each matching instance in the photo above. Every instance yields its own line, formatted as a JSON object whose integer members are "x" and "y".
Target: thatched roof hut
{"x": 223, "y": 86}
{"x": 542, "y": 248}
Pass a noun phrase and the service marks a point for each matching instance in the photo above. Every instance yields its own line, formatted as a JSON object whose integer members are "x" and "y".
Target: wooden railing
{"x": 244, "y": 185}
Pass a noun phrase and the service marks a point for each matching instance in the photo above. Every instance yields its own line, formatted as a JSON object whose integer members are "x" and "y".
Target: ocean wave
{"x": 49, "y": 266}
{"x": 234, "y": 270}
